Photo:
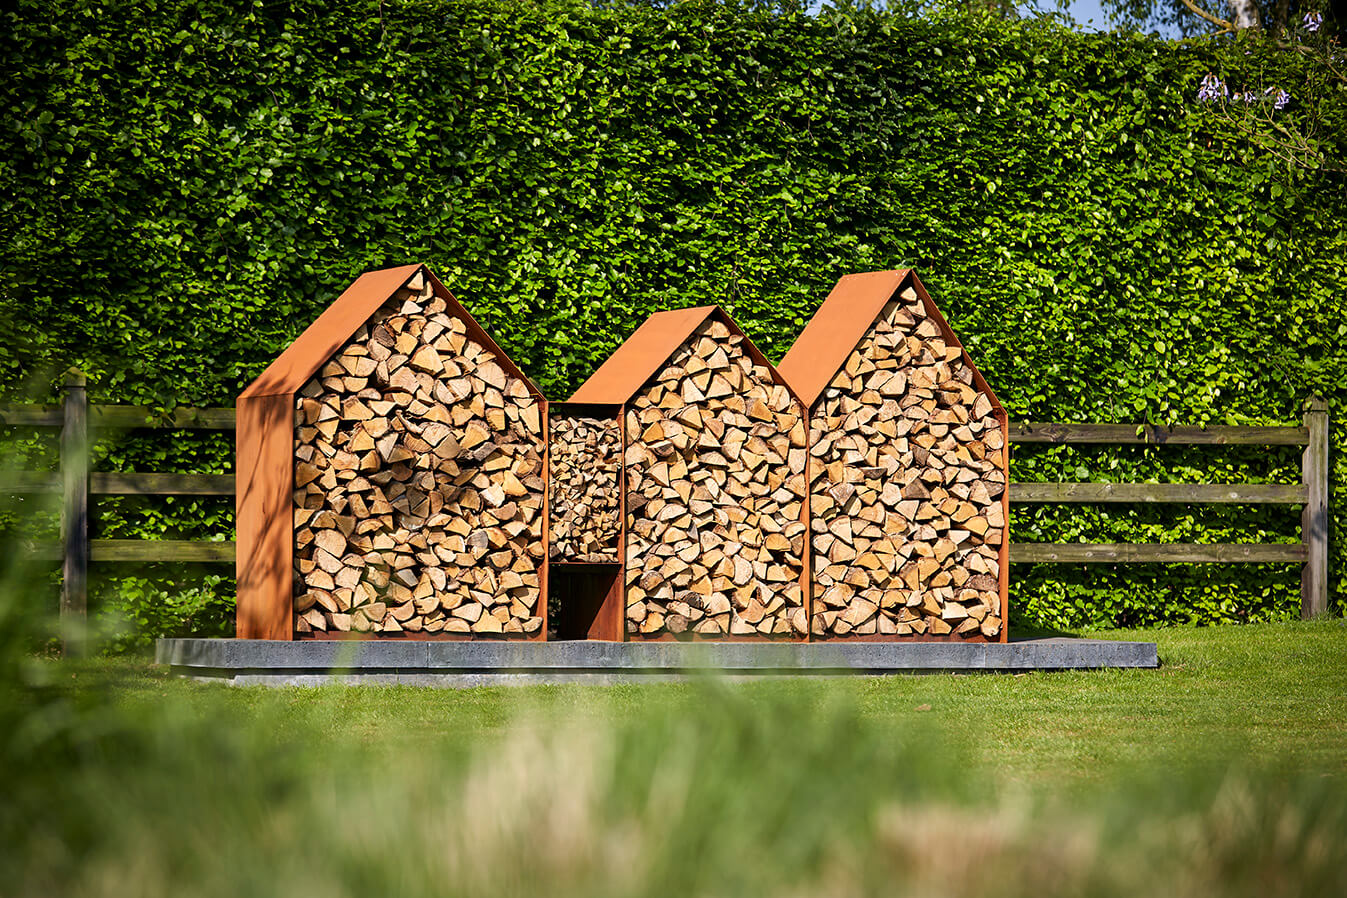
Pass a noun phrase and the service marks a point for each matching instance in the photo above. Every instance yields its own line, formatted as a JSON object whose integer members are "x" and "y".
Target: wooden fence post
{"x": 75, "y": 515}
{"x": 1314, "y": 519}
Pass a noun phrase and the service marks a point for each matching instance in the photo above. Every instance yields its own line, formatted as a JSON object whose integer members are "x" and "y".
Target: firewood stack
{"x": 715, "y": 464}
{"x": 418, "y": 482}
{"x": 907, "y": 478}
{"x": 586, "y": 499}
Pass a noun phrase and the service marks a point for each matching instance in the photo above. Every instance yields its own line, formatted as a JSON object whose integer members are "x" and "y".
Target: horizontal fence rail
{"x": 1163, "y": 553}
{"x": 145, "y": 551}
{"x": 1158, "y": 435}
{"x": 119, "y": 417}
{"x": 117, "y": 484}
{"x": 1190, "y": 493}
{"x": 78, "y": 421}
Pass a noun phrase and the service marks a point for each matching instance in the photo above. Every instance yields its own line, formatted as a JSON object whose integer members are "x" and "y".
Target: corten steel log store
{"x": 391, "y": 473}
{"x": 715, "y": 501}
{"x": 908, "y": 465}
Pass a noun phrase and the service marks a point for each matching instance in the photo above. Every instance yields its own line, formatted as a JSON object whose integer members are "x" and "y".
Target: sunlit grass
{"x": 1220, "y": 773}
{"x": 1274, "y": 692}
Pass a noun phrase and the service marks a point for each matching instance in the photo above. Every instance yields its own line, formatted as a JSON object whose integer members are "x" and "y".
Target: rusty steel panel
{"x": 335, "y": 326}
{"x": 836, "y": 328}
{"x": 264, "y": 558}
{"x": 645, "y": 352}
{"x": 844, "y": 318}
{"x": 640, "y": 356}
{"x": 545, "y": 566}
{"x": 328, "y": 333}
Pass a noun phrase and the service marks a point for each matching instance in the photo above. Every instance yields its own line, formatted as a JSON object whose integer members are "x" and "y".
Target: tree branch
{"x": 1321, "y": 58}
{"x": 1225, "y": 26}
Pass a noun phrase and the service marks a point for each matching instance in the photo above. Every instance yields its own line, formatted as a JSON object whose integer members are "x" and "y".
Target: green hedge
{"x": 183, "y": 186}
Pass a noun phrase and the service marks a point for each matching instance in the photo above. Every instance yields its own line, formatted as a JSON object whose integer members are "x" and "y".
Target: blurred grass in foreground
{"x": 1221, "y": 774}
{"x": 720, "y": 791}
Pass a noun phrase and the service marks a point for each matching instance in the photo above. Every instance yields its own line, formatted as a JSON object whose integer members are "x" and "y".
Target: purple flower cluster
{"x": 1313, "y": 20}
{"x": 1214, "y": 90}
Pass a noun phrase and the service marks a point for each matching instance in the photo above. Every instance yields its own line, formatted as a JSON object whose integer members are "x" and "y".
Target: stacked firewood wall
{"x": 586, "y": 473}
{"x": 908, "y": 475}
{"x": 418, "y": 483}
{"x": 715, "y": 490}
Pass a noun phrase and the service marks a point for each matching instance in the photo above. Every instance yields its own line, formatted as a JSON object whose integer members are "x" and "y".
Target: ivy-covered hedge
{"x": 184, "y": 185}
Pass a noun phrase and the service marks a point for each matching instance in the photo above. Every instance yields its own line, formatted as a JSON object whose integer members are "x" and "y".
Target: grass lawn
{"x": 1274, "y": 694}
{"x": 1220, "y": 773}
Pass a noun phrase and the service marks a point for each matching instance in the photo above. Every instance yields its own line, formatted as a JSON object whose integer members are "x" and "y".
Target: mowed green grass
{"x": 1221, "y": 773}
{"x": 1270, "y": 694}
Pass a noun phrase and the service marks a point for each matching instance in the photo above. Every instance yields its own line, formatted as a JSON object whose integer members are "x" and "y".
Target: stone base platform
{"x": 464, "y": 664}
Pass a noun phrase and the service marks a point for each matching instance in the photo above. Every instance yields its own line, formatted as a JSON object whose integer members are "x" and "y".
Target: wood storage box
{"x": 908, "y": 469}
{"x": 716, "y": 498}
{"x": 585, "y": 534}
{"x": 392, "y": 476}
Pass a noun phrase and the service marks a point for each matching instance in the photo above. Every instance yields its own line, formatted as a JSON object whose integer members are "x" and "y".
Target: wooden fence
{"x": 78, "y": 421}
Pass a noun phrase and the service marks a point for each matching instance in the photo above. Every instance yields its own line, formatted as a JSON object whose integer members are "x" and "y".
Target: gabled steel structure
{"x": 834, "y": 333}
{"x": 265, "y": 457}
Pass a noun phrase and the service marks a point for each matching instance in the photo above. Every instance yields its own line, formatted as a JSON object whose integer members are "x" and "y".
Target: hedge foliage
{"x": 185, "y": 185}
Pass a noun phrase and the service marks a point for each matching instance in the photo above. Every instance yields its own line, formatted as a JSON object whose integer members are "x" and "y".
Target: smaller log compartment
{"x": 585, "y": 587}
{"x": 587, "y": 600}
